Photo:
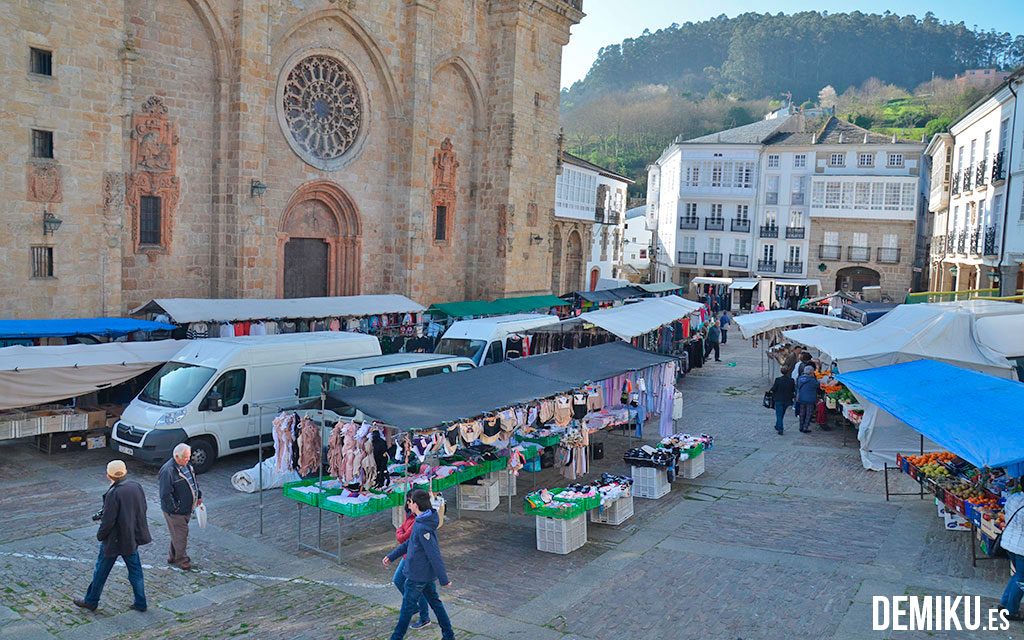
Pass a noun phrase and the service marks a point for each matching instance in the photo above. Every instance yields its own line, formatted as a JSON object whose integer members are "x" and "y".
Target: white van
{"x": 484, "y": 340}
{"x": 360, "y": 372}
{"x": 205, "y": 395}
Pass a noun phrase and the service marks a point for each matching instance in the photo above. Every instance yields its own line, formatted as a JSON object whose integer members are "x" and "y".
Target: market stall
{"x": 593, "y": 300}
{"x": 395, "y": 319}
{"x": 457, "y": 430}
{"x": 661, "y": 289}
{"x": 545, "y": 304}
{"x": 57, "y": 331}
{"x": 979, "y": 450}
{"x": 946, "y": 332}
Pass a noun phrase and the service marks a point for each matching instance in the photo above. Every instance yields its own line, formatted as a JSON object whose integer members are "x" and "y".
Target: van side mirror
{"x": 213, "y": 402}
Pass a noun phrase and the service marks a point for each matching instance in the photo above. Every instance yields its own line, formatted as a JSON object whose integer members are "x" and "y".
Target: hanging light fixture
{"x": 257, "y": 188}
{"x": 50, "y": 223}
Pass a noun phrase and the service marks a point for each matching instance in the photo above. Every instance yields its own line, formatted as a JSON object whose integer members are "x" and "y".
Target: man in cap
{"x": 179, "y": 496}
{"x": 123, "y": 529}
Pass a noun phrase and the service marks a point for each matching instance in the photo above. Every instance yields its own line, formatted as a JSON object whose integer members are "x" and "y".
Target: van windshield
{"x": 176, "y": 384}
{"x": 462, "y": 347}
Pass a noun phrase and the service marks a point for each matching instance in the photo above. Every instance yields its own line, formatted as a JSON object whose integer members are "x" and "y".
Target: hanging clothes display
{"x": 284, "y": 441}
{"x": 310, "y": 447}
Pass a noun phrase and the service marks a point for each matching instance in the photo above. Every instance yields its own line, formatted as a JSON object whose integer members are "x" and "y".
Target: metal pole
{"x": 259, "y": 489}
{"x": 320, "y": 467}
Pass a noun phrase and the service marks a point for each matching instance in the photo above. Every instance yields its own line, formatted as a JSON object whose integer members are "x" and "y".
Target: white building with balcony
{"x": 589, "y": 225}
{"x": 977, "y": 234}
{"x": 702, "y": 194}
{"x": 636, "y": 247}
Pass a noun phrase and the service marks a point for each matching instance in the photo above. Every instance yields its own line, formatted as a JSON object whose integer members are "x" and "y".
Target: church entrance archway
{"x": 574, "y": 261}
{"x": 318, "y": 243}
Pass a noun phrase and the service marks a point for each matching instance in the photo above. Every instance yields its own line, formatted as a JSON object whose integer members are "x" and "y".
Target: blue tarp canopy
{"x": 67, "y": 327}
{"x": 979, "y": 421}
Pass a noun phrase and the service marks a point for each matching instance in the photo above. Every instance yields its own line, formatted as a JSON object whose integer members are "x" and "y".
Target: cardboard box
{"x": 96, "y": 442}
{"x": 96, "y": 419}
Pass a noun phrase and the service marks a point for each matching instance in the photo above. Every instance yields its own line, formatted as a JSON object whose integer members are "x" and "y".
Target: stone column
{"x": 1008, "y": 279}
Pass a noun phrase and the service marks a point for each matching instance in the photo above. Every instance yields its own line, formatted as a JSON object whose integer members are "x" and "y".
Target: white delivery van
{"x": 205, "y": 395}
{"x": 484, "y": 340}
{"x": 360, "y": 372}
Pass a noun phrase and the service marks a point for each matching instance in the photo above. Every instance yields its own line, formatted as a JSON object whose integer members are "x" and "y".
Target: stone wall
{"x": 484, "y": 75}
{"x": 895, "y": 279}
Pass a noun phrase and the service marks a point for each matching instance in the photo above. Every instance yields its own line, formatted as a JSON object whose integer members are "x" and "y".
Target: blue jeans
{"x": 102, "y": 570}
{"x": 780, "y": 413}
{"x": 1014, "y": 591}
{"x": 414, "y": 593}
{"x": 399, "y": 581}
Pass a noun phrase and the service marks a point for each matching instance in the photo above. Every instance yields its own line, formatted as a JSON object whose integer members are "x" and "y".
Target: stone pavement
{"x": 780, "y": 538}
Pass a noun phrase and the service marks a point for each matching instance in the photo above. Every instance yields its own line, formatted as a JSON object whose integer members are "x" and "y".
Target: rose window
{"x": 322, "y": 109}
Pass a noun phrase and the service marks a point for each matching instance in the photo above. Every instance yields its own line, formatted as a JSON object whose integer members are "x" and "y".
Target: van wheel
{"x": 203, "y": 454}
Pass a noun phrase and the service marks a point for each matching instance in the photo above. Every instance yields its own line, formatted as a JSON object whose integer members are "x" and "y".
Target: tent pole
{"x": 320, "y": 467}
{"x": 259, "y": 448}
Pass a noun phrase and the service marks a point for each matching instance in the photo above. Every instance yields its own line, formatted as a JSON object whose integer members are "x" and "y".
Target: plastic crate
{"x": 691, "y": 467}
{"x": 289, "y": 491}
{"x": 357, "y": 510}
{"x": 479, "y": 497}
{"x": 506, "y": 483}
{"x": 615, "y": 513}
{"x": 650, "y": 483}
{"x": 556, "y": 535}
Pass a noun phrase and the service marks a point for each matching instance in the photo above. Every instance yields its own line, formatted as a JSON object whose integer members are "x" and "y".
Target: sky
{"x": 608, "y": 23}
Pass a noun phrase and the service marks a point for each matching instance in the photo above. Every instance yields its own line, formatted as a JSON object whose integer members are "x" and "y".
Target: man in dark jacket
{"x": 714, "y": 340}
{"x": 783, "y": 392}
{"x": 123, "y": 529}
{"x": 179, "y": 496}
{"x": 423, "y": 565}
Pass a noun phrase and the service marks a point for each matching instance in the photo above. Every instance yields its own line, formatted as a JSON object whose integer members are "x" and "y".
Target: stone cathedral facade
{"x": 276, "y": 148}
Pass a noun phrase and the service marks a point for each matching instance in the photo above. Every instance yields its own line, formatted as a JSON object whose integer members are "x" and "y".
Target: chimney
{"x": 814, "y": 138}
{"x": 840, "y": 137}
{"x": 865, "y": 137}
{"x": 894, "y": 138}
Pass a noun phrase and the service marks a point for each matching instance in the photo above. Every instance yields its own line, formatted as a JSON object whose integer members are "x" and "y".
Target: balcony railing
{"x": 614, "y": 217}
{"x": 713, "y": 259}
{"x": 687, "y": 257}
{"x": 796, "y": 198}
{"x": 981, "y": 175}
{"x": 968, "y": 176}
{"x": 740, "y": 225}
{"x": 738, "y": 260}
{"x": 889, "y": 255}
{"x": 858, "y": 254}
{"x": 955, "y": 183}
{"x": 766, "y": 265}
{"x": 951, "y": 242}
{"x": 961, "y": 241}
{"x": 795, "y": 233}
{"x": 990, "y": 241}
{"x": 771, "y": 198}
{"x": 998, "y": 172}
{"x": 714, "y": 224}
{"x": 975, "y": 241}
{"x": 938, "y": 245}
{"x": 599, "y": 215}
{"x": 689, "y": 223}
{"x": 793, "y": 266}
{"x": 830, "y": 252}
{"x": 769, "y": 231}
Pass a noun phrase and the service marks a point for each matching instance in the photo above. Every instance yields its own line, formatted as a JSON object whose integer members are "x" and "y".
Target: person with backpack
{"x": 423, "y": 567}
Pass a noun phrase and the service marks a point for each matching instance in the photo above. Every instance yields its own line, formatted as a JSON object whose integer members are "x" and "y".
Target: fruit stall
{"x": 968, "y": 498}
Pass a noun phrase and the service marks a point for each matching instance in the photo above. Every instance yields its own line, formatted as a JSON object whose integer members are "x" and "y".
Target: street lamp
{"x": 50, "y": 223}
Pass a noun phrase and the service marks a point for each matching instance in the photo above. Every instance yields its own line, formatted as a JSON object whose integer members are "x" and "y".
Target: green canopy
{"x": 499, "y": 307}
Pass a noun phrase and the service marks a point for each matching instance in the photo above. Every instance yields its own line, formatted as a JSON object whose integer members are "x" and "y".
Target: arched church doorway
{"x": 319, "y": 243}
{"x": 856, "y": 278}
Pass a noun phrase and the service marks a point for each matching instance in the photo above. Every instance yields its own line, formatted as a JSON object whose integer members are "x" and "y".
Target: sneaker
{"x": 422, "y": 624}
{"x": 85, "y": 605}
{"x": 135, "y": 607}
{"x": 1017, "y": 617}
{"x": 778, "y": 431}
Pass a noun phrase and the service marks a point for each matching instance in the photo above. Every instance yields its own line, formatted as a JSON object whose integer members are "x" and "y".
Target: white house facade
{"x": 636, "y": 246}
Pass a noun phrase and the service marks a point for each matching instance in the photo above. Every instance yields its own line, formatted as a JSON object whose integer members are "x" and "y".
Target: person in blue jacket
{"x": 423, "y": 566}
{"x": 807, "y": 395}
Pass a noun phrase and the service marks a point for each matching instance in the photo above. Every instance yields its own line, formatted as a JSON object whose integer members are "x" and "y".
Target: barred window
{"x": 42, "y": 143}
{"x": 40, "y": 61}
{"x": 149, "y": 220}
{"x": 42, "y": 262}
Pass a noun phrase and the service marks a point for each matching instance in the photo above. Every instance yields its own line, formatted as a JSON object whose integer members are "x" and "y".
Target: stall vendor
{"x": 1012, "y": 542}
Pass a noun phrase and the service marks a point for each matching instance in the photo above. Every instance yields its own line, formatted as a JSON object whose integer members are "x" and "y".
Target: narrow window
{"x": 42, "y": 262}
{"x": 42, "y": 144}
{"x": 149, "y": 220}
{"x": 440, "y": 223}
{"x": 41, "y": 61}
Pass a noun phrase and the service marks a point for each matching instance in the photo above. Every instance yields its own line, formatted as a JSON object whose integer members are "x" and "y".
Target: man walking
{"x": 423, "y": 566}
{"x": 725, "y": 321}
{"x": 179, "y": 496}
{"x": 783, "y": 392}
{"x": 714, "y": 339}
{"x": 123, "y": 529}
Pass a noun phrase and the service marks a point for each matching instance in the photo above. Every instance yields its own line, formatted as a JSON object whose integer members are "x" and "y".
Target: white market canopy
{"x": 37, "y": 375}
{"x": 710, "y": 280}
{"x": 754, "y": 324}
{"x": 970, "y": 334}
{"x": 797, "y": 282}
{"x": 186, "y": 310}
{"x": 632, "y": 320}
{"x": 745, "y": 285}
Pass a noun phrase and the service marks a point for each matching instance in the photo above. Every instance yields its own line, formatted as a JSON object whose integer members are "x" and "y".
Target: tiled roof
{"x": 586, "y": 164}
{"x": 753, "y": 133}
{"x": 831, "y": 130}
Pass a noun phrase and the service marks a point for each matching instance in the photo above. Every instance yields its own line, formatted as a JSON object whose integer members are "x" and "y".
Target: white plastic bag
{"x": 248, "y": 480}
{"x": 201, "y": 515}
